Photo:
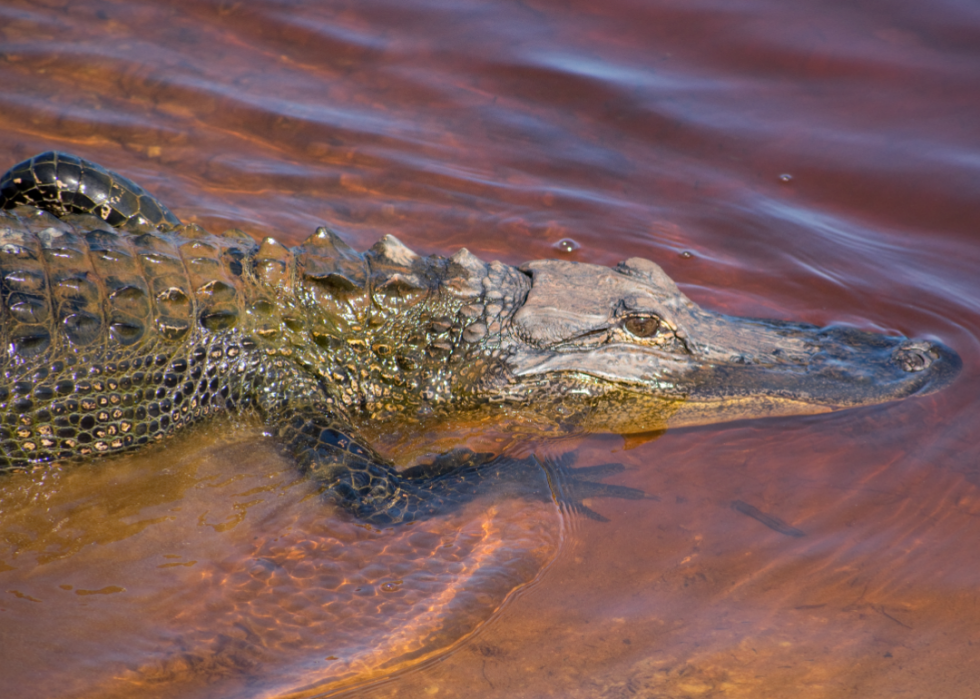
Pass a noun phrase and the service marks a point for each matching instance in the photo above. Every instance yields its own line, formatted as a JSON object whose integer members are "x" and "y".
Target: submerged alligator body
{"x": 120, "y": 326}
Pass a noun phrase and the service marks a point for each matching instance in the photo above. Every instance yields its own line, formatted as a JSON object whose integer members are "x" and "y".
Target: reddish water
{"x": 812, "y": 160}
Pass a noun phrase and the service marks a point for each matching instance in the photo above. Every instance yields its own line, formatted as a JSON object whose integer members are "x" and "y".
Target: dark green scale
{"x": 66, "y": 184}
{"x": 121, "y": 326}
{"x": 108, "y": 344}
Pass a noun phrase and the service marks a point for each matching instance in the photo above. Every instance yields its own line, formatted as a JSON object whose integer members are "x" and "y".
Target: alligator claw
{"x": 569, "y": 488}
{"x": 456, "y": 477}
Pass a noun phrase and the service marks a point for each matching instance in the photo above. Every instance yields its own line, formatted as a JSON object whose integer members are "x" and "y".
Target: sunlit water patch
{"x": 209, "y": 568}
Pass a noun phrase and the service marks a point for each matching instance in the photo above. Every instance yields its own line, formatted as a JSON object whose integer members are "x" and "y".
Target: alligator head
{"x": 635, "y": 354}
{"x": 579, "y": 347}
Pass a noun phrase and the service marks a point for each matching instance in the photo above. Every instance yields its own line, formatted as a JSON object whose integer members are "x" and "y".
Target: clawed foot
{"x": 570, "y": 486}
{"x": 461, "y": 473}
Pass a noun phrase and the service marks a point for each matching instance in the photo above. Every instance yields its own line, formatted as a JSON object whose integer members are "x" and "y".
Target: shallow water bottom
{"x": 689, "y": 597}
{"x": 209, "y": 568}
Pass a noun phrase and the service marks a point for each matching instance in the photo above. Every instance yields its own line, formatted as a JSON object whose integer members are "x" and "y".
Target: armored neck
{"x": 388, "y": 331}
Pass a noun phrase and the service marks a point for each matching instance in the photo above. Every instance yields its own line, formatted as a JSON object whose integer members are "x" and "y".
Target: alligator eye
{"x": 643, "y": 326}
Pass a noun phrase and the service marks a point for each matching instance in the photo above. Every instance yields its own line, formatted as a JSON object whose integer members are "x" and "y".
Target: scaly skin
{"x": 121, "y": 326}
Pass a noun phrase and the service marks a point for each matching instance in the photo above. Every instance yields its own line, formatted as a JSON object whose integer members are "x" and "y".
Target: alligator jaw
{"x": 843, "y": 368}
{"x": 700, "y": 367}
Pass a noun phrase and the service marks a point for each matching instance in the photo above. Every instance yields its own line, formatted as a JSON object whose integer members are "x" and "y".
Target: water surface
{"x": 814, "y": 160}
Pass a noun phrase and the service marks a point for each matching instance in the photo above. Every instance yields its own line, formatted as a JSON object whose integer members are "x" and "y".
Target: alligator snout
{"x": 917, "y": 355}
{"x": 883, "y": 367}
{"x": 933, "y": 364}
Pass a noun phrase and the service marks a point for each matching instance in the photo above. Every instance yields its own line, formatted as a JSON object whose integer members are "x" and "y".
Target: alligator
{"x": 121, "y": 326}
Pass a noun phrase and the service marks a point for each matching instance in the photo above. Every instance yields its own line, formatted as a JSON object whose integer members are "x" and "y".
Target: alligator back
{"x": 113, "y": 337}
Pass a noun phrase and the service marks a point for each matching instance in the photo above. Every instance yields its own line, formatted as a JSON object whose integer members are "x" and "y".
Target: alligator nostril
{"x": 915, "y": 356}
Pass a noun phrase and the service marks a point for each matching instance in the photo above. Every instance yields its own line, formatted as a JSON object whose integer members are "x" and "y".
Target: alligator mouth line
{"x": 825, "y": 369}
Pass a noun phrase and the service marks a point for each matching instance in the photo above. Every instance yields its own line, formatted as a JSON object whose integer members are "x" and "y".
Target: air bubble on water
{"x": 785, "y": 177}
{"x": 567, "y": 245}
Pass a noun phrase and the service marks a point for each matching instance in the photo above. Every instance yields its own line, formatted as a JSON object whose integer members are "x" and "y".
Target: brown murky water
{"x": 813, "y": 160}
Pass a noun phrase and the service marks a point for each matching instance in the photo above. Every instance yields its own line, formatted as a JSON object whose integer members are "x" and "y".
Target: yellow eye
{"x": 642, "y": 326}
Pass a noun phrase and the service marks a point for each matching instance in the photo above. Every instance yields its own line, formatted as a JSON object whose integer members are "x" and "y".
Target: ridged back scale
{"x": 112, "y": 335}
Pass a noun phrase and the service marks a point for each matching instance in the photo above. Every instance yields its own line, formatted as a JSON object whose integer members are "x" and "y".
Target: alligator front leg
{"x": 361, "y": 481}
{"x": 352, "y": 474}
